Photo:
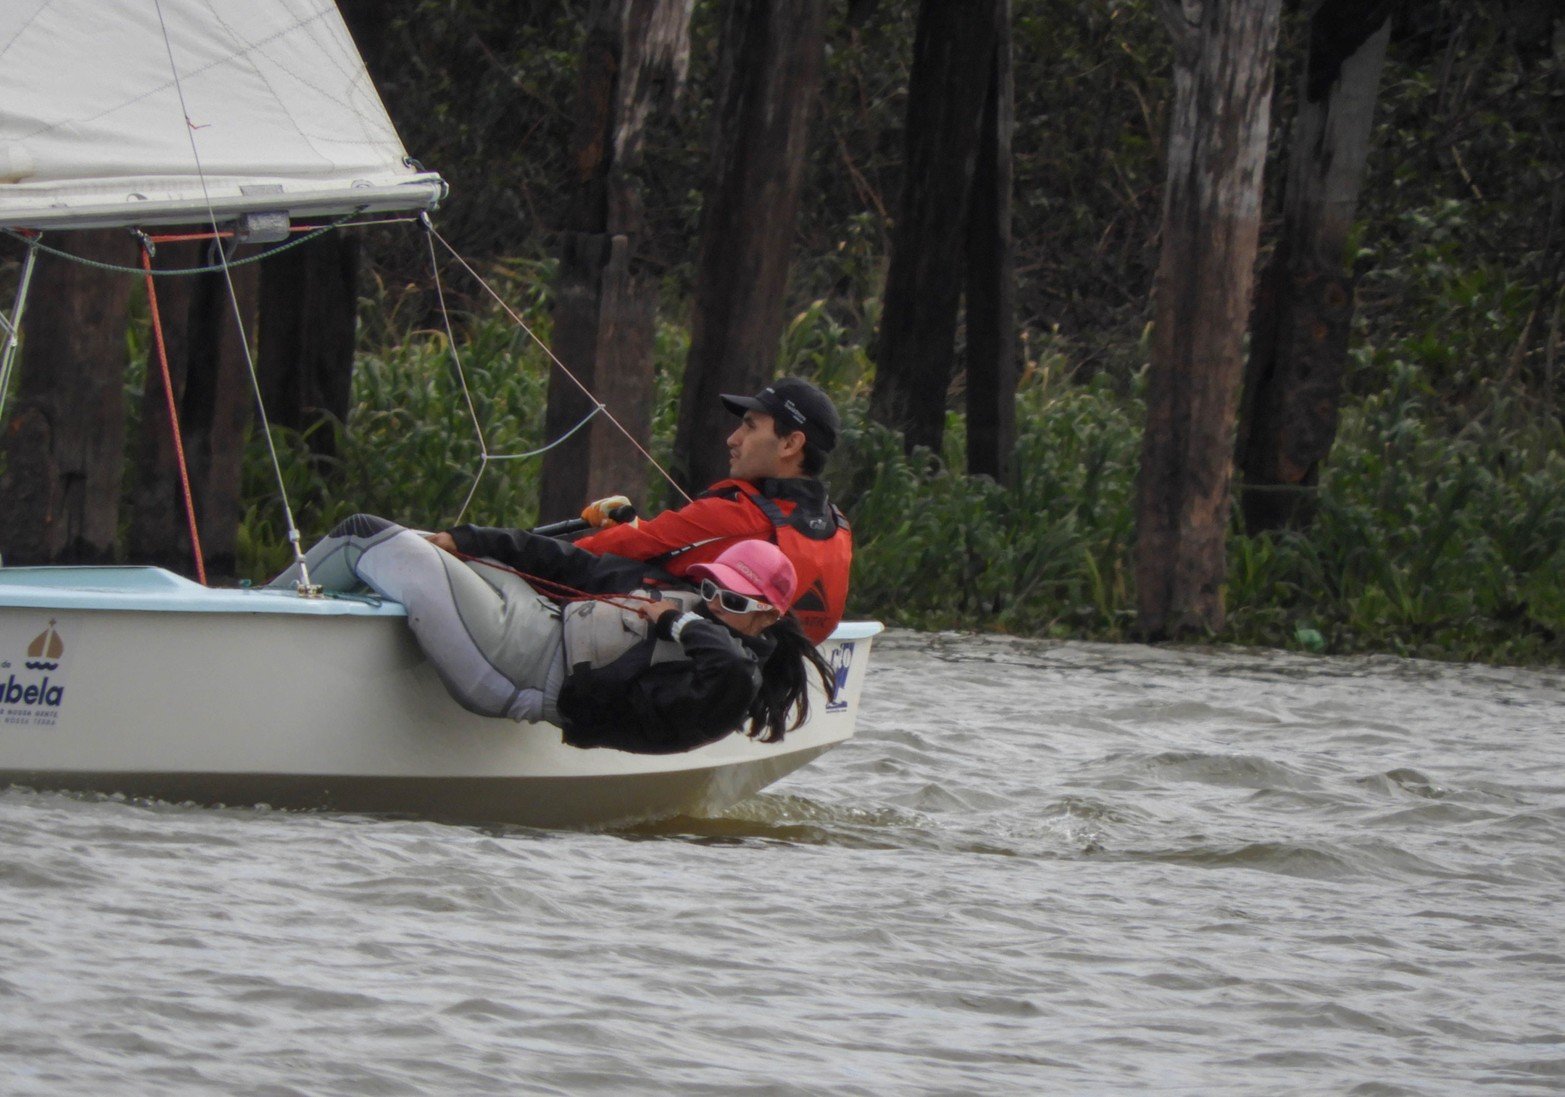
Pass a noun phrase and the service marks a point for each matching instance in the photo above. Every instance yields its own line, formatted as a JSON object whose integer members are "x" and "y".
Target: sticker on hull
{"x": 840, "y": 659}
{"x": 32, "y": 675}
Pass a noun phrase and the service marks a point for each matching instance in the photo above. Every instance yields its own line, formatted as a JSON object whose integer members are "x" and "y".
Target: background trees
{"x": 1417, "y": 311}
{"x": 1223, "y": 52}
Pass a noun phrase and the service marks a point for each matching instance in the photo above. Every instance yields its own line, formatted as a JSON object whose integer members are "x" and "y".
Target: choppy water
{"x": 1040, "y": 869}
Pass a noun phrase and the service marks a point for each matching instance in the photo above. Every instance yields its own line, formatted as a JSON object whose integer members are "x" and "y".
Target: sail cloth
{"x": 136, "y": 112}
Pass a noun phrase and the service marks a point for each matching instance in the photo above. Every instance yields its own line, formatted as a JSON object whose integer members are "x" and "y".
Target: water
{"x": 1041, "y": 868}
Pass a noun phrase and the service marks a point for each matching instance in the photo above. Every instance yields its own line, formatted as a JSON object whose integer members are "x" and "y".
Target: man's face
{"x": 755, "y": 452}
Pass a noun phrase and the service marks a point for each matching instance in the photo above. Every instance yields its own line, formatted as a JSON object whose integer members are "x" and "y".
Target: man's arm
{"x": 692, "y": 524}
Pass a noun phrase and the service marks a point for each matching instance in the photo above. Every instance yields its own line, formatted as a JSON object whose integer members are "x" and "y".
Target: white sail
{"x": 132, "y": 112}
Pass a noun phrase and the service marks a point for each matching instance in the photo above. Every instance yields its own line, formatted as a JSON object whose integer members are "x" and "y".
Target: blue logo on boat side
{"x": 34, "y": 699}
{"x": 840, "y": 659}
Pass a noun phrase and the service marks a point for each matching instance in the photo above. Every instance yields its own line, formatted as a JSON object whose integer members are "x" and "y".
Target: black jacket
{"x": 667, "y": 707}
{"x": 634, "y": 704}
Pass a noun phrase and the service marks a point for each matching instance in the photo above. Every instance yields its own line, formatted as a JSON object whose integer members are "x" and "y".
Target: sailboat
{"x": 138, "y": 682}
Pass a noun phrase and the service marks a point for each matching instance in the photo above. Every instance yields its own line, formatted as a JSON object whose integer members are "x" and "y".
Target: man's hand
{"x": 443, "y": 540}
{"x": 600, "y": 515}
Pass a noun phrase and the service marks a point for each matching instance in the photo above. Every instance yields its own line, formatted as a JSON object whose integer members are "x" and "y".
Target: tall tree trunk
{"x": 213, "y": 395}
{"x": 991, "y": 283}
{"x": 635, "y": 59}
{"x": 770, "y": 64}
{"x": 953, "y": 55}
{"x": 1224, "y": 50}
{"x": 65, "y": 435}
{"x": 1304, "y": 312}
{"x": 309, "y": 298}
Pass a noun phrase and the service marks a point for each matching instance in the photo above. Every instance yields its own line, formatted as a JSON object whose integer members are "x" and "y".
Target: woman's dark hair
{"x": 785, "y": 681}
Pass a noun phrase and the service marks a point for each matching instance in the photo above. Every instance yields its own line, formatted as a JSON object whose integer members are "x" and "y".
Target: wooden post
{"x": 1224, "y": 50}
{"x": 65, "y": 434}
{"x": 769, "y": 73}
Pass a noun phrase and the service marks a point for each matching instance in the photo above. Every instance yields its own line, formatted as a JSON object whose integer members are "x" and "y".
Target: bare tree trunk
{"x": 769, "y": 74}
{"x": 309, "y": 298}
{"x": 953, "y": 55}
{"x": 991, "y": 282}
{"x": 1303, "y": 315}
{"x": 635, "y": 59}
{"x": 1224, "y": 51}
{"x": 212, "y": 393}
{"x": 65, "y": 439}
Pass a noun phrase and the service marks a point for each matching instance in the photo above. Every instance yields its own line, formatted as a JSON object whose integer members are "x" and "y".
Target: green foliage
{"x": 1423, "y": 542}
{"x": 410, "y": 449}
{"x": 1049, "y": 554}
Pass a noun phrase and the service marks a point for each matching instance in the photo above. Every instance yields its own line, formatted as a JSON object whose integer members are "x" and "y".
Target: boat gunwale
{"x": 122, "y": 588}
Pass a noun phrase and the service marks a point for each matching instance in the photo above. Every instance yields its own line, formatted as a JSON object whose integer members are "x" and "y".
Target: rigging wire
{"x": 294, "y": 538}
{"x": 456, "y": 357}
{"x": 519, "y": 322}
{"x": 310, "y": 231}
{"x": 13, "y": 325}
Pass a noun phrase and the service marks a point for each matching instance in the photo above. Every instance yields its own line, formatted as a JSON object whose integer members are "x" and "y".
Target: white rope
{"x": 456, "y": 357}
{"x": 484, "y": 459}
{"x": 519, "y": 322}
{"x": 239, "y": 323}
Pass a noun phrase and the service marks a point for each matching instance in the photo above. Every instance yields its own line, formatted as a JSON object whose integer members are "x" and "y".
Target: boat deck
{"x": 150, "y": 589}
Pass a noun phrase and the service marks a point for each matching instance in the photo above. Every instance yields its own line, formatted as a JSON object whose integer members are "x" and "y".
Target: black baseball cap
{"x": 796, "y": 405}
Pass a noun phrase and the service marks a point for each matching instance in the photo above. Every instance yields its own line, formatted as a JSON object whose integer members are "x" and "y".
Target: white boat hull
{"x": 163, "y": 689}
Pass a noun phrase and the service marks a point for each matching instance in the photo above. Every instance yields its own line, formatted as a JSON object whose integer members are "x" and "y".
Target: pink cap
{"x": 757, "y": 568}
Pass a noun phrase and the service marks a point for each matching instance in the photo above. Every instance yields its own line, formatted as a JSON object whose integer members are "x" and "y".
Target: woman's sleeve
{"x": 684, "y": 705}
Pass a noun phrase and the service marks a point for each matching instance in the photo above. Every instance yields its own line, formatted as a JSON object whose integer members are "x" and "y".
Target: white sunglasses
{"x": 731, "y": 600}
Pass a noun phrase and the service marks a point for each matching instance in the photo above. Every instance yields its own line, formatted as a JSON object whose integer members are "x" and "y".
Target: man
{"x": 774, "y": 460}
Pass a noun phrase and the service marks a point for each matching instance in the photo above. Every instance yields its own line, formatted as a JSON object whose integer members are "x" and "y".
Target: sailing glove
{"x": 611, "y": 511}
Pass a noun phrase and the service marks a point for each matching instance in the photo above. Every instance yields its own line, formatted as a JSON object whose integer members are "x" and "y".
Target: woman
{"x": 657, "y": 670}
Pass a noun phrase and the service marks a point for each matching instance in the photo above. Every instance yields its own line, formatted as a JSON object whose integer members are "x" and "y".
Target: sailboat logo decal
{"x": 45, "y": 650}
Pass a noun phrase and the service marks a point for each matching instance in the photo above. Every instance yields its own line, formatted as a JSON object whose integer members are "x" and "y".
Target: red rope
{"x": 559, "y": 592}
{"x": 184, "y": 237}
{"x": 173, "y": 415}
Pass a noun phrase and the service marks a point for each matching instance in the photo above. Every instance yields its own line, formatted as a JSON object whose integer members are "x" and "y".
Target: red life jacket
{"x": 817, "y": 542}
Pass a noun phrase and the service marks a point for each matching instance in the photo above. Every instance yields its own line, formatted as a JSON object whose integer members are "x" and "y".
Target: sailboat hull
{"x": 167, "y": 690}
